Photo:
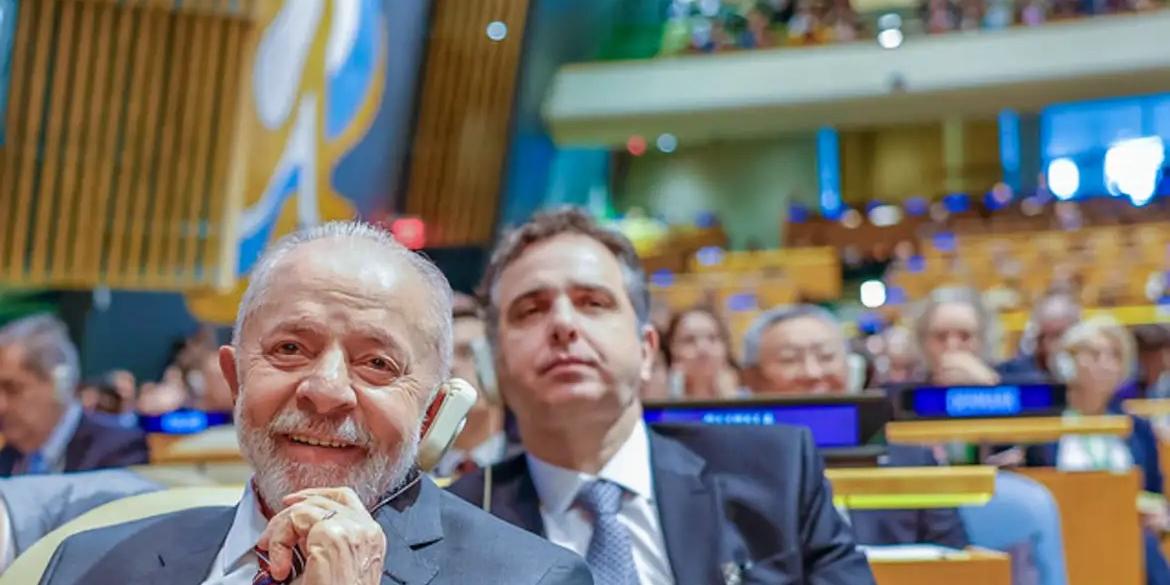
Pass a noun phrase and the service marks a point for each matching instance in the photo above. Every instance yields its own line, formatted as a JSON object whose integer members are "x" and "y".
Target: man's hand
{"x": 960, "y": 368}
{"x": 341, "y": 541}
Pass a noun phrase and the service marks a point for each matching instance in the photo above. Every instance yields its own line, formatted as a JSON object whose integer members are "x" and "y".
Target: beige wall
{"x": 748, "y": 184}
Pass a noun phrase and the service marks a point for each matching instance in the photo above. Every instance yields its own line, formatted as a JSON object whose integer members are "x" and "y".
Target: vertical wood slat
{"x": 28, "y": 149}
{"x": 68, "y": 218}
{"x": 50, "y": 166}
{"x": 134, "y": 129}
{"x": 209, "y": 85}
{"x": 464, "y": 114}
{"x": 78, "y": 195}
{"x": 10, "y": 161}
{"x": 220, "y": 212}
{"x": 112, "y": 118}
{"x": 148, "y": 228}
{"x": 194, "y": 79}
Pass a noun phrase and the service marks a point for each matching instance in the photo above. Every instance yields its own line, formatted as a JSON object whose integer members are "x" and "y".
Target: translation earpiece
{"x": 444, "y": 420}
{"x": 1064, "y": 366}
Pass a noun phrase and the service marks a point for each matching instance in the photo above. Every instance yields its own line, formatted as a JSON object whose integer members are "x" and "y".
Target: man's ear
{"x": 649, "y": 351}
{"x": 231, "y": 375}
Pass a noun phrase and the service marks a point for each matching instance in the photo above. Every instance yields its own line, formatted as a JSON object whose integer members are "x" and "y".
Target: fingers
{"x": 290, "y": 527}
{"x": 344, "y": 496}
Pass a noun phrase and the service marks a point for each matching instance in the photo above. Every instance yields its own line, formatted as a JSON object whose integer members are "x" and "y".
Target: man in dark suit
{"x": 44, "y": 428}
{"x": 568, "y": 316}
{"x": 342, "y": 339}
{"x": 801, "y": 349}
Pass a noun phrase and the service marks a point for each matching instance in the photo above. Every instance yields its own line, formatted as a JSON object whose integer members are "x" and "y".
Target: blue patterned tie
{"x": 610, "y": 555}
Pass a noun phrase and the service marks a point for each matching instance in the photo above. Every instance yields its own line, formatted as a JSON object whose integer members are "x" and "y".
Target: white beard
{"x": 277, "y": 477}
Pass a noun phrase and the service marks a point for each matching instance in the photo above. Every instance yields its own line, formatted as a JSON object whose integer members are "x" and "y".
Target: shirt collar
{"x": 247, "y": 526}
{"x": 53, "y": 451}
{"x": 629, "y": 468}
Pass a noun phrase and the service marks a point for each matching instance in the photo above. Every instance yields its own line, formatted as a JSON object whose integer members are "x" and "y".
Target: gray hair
{"x": 776, "y": 316}
{"x": 48, "y": 352}
{"x": 987, "y": 322}
{"x": 1080, "y": 334}
{"x": 439, "y": 303}
{"x": 547, "y": 225}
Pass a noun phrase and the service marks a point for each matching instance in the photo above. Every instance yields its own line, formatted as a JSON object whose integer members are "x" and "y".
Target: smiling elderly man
{"x": 341, "y": 339}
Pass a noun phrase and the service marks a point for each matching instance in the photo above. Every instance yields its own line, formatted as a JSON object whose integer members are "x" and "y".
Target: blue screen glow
{"x": 832, "y": 425}
{"x": 984, "y": 401}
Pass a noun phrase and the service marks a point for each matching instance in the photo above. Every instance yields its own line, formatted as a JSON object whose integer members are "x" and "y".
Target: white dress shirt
{"x": 236, "y": 563}
{"x": 567, "y": 524}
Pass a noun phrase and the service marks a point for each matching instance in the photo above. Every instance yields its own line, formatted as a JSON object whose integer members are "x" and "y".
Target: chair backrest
{"x": 28, "y": 567}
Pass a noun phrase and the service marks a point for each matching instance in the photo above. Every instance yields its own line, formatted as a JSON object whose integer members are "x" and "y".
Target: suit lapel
{"x": 514, "y": 497}
{"x": 414, "y": 530}
{"x": 78, "y": 446}
{"x": 688, "y": 509}
{"x": 183, "y": 550}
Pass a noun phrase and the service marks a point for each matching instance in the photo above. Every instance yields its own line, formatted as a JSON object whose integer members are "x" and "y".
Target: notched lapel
{"x": 414, "y": 534}
{"x": 688, "y": 507}
{"x": 191, "y": 546}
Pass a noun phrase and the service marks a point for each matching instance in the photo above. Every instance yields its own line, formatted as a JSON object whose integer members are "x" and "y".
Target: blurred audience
{"x": 697, "y": 351}
{"x": 797, "y": 349}
{"x": 1052, "y": 315}
{"x": 44, "y": 427}
{"x": 956, "y": 334}
{"x": 1153, "y": 346}
{"x": 1094, "y": 358}
{"x": 899, "y": 361}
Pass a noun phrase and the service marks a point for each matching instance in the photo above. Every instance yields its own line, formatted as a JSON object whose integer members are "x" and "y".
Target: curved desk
{"x": 1099, "y": 515}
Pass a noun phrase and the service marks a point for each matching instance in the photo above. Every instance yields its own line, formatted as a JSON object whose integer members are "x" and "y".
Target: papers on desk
{"x": 910, "y": 552}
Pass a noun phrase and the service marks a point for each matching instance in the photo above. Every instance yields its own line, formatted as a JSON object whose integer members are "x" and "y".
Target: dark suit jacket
{"x": 432, "y": 537}
{"x": 755, "y": 497}
{"x": 1142, "y": 443}
{"x": 96, "y": 444}
{"x": 942, "y": 526}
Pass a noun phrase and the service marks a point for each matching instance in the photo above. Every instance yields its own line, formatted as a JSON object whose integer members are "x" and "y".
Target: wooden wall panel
{"x": 465, "y": 108}
{"x": 121, "y": 121}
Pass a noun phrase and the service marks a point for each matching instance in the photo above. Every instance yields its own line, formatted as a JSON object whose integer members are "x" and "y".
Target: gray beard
{"x": 276, "y": 476}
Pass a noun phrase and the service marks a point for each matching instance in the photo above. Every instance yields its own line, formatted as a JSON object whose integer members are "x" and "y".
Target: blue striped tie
{"x": 610, "y": 555}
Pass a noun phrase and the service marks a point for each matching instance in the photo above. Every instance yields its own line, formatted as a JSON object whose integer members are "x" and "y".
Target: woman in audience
{"x": 1095, "y": 358}
{"x": 697, "y": 349}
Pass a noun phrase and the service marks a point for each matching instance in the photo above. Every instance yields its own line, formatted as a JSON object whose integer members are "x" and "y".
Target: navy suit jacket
{"x": 941, "y": 526}
{"x": 96, "y": 444}
{"x": 431, "y": 538}
{"x": 752, "y": 497}
{"x": 1142, "y": 443}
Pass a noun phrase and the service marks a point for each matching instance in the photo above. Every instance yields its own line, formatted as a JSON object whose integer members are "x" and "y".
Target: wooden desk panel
{"x": 1100, "y": 525}
{"x": 978, "y": 567}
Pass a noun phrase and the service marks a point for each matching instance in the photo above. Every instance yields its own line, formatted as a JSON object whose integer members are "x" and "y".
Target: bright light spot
{"x": 891, "y": 38}
{"x": 885, "y": 215}
{"x": 1064, "y": 178}
{"x": 851, "y": 219}
{"x": 667, "y": 142}
{"x": 497, "y": 31}
{"x": 636, "y": 145}
{"x": 873, "y": 293}
{"x": 709, "y": 255}
{"x": 1132, "y": 167}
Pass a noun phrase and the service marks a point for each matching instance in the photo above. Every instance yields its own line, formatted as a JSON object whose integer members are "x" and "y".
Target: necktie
{"x": 35, "y": 464}
{"x": 263, "y": 577}
{"x": 610, "y": 555}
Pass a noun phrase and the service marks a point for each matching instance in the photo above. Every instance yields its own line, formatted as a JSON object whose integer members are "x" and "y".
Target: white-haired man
{"x": 341, "y": 339}
{"x": 41, "y": 420}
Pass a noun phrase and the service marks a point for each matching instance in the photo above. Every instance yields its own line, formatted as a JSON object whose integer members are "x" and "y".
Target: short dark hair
{"x": 547, "y": 225}
{"x": 1152, "y": 337}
